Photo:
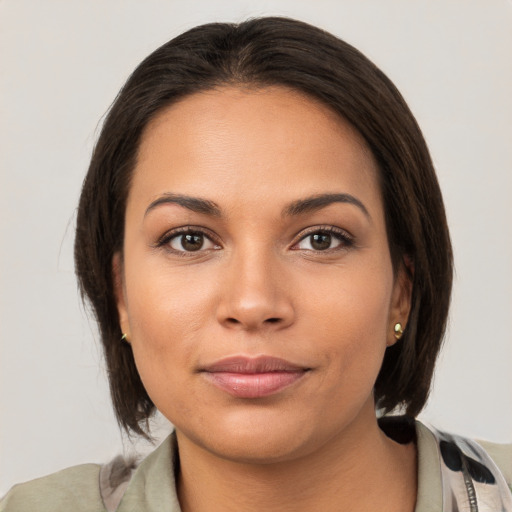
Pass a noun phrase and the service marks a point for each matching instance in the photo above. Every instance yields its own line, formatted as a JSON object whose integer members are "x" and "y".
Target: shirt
{"x": 150, "y": 487}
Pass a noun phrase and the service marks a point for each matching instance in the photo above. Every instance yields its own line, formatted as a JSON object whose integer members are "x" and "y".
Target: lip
{"x": 253, "y": 377}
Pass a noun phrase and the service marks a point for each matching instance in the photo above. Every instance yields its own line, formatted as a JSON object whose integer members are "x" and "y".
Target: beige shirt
{"x": 152, "y": 485}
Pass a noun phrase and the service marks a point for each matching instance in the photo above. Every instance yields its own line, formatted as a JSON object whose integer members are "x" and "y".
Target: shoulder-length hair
{"x": 259, "y": 53}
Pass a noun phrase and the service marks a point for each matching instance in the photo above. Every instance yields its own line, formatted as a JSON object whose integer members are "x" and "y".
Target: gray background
{"x": 61, "y": 64}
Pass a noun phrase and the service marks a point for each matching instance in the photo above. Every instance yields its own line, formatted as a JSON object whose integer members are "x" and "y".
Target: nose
{"x": 254, "y": 294}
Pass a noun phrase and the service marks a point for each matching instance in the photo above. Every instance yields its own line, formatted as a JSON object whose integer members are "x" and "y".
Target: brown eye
{"x": 190, "y": 242}
{"x": 325, "y": 239}
{"x": 321, "y": 241}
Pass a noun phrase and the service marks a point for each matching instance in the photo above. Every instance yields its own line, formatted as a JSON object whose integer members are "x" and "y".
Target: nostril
{"x": 234, "y": 321}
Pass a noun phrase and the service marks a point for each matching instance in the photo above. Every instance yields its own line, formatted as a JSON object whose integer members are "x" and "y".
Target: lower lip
{"x": 253, "y": 385}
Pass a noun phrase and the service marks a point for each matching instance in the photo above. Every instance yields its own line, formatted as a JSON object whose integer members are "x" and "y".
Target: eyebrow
{"x": 299, "y": 207}
{"x": 196, "y": 204}
{"x": 314, "y": 203}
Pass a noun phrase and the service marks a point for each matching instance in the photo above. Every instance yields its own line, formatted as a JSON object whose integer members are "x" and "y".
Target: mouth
{"x": 253, "y": 377}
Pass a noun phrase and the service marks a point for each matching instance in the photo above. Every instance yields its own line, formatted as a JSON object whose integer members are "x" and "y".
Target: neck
{"x": 358, "y": 470}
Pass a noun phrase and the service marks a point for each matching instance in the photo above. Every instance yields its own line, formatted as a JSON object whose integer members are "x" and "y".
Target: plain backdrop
{"x": 61, "y": 65}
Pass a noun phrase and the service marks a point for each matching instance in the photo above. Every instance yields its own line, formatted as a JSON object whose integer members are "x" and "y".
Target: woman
{"x": 263, "y": 241}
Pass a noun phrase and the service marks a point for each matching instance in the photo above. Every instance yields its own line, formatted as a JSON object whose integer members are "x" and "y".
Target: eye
{"x": 189, "y": 241}
{"x": 324, "y": 240}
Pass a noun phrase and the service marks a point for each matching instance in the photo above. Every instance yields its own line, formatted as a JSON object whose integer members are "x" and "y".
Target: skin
{"x": 259, "y": 286}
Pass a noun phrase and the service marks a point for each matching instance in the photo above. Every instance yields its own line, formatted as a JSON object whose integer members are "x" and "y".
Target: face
{"x": 256, "y": 286}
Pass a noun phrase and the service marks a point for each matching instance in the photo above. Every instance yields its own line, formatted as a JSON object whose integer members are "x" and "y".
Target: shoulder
{"x": 75, "y": 488}
{"x": 463, "y": 469}
{"x": 501, "y": 454}
{"x": 120, "y": 485}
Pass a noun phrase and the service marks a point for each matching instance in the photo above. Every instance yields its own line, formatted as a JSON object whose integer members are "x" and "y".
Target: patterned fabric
{"x": 471, "y": 480}
{"x": 454, "y": 475}
{"x": 114, "y": 479}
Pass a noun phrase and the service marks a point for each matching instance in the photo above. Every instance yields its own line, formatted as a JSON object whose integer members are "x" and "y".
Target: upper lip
{"x": 249, "y": 365}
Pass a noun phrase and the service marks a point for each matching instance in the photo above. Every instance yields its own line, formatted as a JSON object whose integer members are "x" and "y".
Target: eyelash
{"x": 346, "y": 240}
{"x": 166, "y": 239}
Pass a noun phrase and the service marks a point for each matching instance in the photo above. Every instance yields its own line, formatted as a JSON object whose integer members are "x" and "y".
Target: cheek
{"x": 164, "y": 335}
{"x": 352, "y": 317}
{"x": 167, "y": 312}
{"x": 165, "y": 302}
{"x": 355, "y": 300}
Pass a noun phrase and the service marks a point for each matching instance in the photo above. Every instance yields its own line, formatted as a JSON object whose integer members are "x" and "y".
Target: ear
{"x": 400, "y": 299}
{"x": 120, "y": 294}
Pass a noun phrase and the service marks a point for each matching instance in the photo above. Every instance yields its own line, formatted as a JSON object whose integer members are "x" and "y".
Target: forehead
{"x": 249, "y": 109}
{"x": 251, "y": 141}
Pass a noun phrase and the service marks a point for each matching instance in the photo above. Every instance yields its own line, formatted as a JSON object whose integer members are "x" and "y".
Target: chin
{"x": 256, "y": 439}
{"x": 259, "y": 449}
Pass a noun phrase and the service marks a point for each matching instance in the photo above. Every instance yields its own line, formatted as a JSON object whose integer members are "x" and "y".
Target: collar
{"x": 454, "y": 474}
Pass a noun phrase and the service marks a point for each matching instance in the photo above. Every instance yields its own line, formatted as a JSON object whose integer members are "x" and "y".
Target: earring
{"x": 398, "y": 331}
{"x": 124, "y": 338}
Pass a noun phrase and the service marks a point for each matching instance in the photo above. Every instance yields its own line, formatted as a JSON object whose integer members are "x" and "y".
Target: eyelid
{"x": 344, "y": 236}
{"x": 182, "y": 230}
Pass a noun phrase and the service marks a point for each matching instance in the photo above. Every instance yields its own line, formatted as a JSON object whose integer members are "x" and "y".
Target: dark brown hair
{"x": 264, "y": 52}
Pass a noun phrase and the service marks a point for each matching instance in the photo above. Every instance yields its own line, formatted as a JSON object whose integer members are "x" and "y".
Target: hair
{"x": 260, "y": 53}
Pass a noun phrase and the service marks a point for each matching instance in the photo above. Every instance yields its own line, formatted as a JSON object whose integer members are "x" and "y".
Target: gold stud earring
{"x": 398, "y": 330}
{"x": 124, "y": 337}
